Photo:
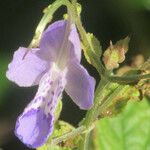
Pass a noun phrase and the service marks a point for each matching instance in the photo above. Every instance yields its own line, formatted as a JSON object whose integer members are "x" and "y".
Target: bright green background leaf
{"x": 130, "y": 130}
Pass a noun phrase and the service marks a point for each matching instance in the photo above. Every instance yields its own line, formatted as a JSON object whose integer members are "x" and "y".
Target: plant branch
{"x": 47, "y": 18}
{"x": 95, "y": 61}
{"x": 129, "y": 78}
{"x": 69, "y": 135}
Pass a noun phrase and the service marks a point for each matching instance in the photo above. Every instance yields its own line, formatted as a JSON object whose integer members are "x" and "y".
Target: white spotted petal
{"x": 35, "y": 124}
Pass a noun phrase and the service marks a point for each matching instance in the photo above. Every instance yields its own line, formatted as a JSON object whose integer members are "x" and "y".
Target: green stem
{"x": 84, "y": 144}
{"x": 90, "y": 116}
{"x": 101, "y": 102}
{"x": 128, "y": 79}
{"x": 105, "y": 103}
{"x": 93, "y": 59}
{"x": 78, "y": 131}
{"x": 68, "y": 135}
{"x": 47, "y": 18}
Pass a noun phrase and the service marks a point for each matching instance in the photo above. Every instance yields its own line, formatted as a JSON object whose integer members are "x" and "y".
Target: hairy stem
{"x": 128, "y": 79}
{"x": 101, "y": 102}
{"x": 47, "y": 18}
{"x": 69, "y": 135}
{"x": 93, "y": 59}
{"x": 84, "y": 144}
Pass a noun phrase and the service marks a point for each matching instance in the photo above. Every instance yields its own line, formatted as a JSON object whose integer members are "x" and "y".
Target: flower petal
{"x": 53, "y": 39}
{"x": 26, "y": 71}
{"x": 75, "y": 49}
{"x": 34, "y": 126}
{"x": 80, "y": 85}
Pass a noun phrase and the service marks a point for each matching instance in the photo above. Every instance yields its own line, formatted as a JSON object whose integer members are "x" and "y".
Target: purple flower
{"x": 54, "y": 66}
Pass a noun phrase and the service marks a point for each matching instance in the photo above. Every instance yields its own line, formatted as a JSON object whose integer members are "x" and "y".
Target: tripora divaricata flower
{"x": 54, "y": 66}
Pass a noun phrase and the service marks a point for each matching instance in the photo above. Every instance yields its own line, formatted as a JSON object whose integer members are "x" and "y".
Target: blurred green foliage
{"x": 130, "y": 130}
{"x": 4, "y": 83}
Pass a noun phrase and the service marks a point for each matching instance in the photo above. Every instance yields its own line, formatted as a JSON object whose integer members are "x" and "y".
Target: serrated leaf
{"x": 95, "y": 43}
{"x": 93, "y": 49}
{"x": 124, "y": 43}
{"x": 130, "y": 130}
{"x": 115, "y": 54}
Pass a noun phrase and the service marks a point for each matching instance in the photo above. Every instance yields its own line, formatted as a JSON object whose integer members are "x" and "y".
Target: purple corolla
{"x": 54, "y": 66}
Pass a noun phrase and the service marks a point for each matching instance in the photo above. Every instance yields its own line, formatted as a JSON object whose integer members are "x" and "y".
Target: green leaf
{"x": 95, "y": 47}
{"x": 130, "y": 130}
{"x": 115, "y": 54}
{"x": 58, "y": 109}
{"x": 61, "y": 128}
{"x": 124, "y": 43}
{"x": 95, "y": 43}
{"x": 59, "y": 137}
{"x": 52, "y": 147}
{"x": 129, "y": 93}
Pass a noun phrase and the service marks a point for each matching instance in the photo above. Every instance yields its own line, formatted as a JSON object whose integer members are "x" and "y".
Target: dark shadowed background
{"x": 107, "y": 19}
